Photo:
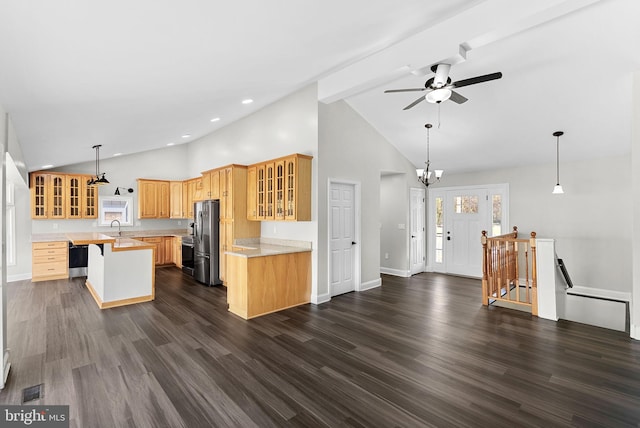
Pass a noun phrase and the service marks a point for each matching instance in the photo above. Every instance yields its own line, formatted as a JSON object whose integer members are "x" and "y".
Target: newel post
{"x": 485, "y": 261}
{"x": 534, "y": 275}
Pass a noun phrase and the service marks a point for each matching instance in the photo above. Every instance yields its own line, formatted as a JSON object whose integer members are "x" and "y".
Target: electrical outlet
{"x": 386, "y": 256}
{"x": 55, "y": 225}
{"x": 179, "y": 223}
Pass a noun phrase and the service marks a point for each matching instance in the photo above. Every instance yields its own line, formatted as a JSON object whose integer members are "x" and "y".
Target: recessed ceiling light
{"x": 171, "y": 144}
{"x": 215, "y": 119}
{"x": 117, "y": 154}
{"x": 186, "y": 136}
{"x": 47, "y": 166}
{"x": 247, "y": 101}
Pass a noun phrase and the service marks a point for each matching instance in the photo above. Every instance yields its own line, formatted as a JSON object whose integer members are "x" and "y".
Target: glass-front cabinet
{"x": 61, "y": 196}
{"x": 280, "y": 189}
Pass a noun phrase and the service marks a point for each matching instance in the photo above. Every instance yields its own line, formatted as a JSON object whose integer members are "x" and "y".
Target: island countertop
{"x": 86, "y": 238}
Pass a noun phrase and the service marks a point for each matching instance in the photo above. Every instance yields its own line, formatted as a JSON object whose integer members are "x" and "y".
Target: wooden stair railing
{"x": 509, "y": 270}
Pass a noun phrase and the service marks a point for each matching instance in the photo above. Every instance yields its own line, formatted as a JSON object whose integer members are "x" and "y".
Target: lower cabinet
{"x": 261, "y": 285}
{"x": 177, "y": 251}
{"x": 164, "y": 249}
{"x": 50, "y": 260}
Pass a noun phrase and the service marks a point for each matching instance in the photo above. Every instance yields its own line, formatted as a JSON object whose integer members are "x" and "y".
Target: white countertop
{"x": 262, "y": 247}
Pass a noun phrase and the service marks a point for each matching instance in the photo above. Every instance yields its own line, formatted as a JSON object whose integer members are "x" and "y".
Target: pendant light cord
{"x": 558, "y": 160}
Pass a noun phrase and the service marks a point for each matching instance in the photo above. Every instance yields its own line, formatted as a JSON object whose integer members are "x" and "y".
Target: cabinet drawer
{"x": 49, "y": 245}
{"x": 50, "y": 252}
{"x": 37, "y": 259}
{"x": 49, "y": 269}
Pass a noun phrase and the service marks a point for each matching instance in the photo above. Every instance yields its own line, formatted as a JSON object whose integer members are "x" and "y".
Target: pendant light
{"x": 425, "y": 176}
{"x": 98, "y": 180}
{"x": 557, "y": 189}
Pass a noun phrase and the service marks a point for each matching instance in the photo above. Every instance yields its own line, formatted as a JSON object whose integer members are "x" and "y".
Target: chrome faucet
{"x": 119, "y": 232}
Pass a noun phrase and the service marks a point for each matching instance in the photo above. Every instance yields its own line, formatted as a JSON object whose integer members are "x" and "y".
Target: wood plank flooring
{"x": 417, "y": 351}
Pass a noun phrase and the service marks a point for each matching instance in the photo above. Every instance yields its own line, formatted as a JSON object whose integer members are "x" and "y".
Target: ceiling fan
{"x": 440, "y": 88}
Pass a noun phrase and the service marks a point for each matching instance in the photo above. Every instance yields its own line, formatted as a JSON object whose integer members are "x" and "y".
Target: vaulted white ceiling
{"x": 138, "y": 75}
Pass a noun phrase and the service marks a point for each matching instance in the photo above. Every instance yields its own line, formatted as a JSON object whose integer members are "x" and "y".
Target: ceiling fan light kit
{"x": 440, "y": 87}
{"x": 557, "y": 189}
{"x": 438, "y": 95}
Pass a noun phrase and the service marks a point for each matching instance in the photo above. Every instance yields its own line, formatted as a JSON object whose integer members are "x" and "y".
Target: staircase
{"x": 509, "y": 271}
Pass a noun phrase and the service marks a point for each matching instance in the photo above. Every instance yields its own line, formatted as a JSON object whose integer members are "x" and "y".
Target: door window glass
{"x": 439, "y": 247}
{"x": 466, "y": 204}
{"x": 496, "y": 215}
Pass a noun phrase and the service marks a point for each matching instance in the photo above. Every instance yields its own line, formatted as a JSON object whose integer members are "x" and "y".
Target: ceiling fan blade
{"x": 404, "y": 90}
{"x": 477, "y": 79}
{"x": 414, "y": 103}
{"x": 457, "y": 98}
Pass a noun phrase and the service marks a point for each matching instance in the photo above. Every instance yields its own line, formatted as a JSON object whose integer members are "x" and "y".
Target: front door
{"x": 464, "y": 224}
{"x": 341, "y": 238}
{"x": 417, "y": 247}
{"x": 457, "y": 217}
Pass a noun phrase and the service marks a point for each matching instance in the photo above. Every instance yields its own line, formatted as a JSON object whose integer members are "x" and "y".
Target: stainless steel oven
{"x": 187, "y": 255}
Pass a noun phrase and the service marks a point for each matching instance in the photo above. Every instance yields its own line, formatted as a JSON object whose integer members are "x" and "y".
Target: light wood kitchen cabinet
{"x": 177, "y": 251}
{"x": 61, "y": 196}
{"x": 167, "y": 241}
{"x": 50, "y": 260}
{"x": 281, "y": 189}
{"x": 252, "y": 193}
{"x": 47, "y": 195}
{"x": 261, "y": 285}
{"x": 211, "y": 184}
{"x": 153, "y": 198}
{"x": 233, "y": 211}
{"x": 164, "y": 199}
{"x": 191, "y": 189}
{"x": 198, "y": 190}
{"x": 175, "y": 199}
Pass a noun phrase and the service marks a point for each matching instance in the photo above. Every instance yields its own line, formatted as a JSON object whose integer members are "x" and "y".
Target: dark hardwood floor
{"x": 420, "y": 351}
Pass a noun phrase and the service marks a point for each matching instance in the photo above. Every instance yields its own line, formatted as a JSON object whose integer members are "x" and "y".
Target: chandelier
{"x": 425, "y": 175}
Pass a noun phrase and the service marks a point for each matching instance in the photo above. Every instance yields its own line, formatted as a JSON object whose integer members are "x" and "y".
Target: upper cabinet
{"x": 62, "y": 196}
{"x": 153, "y": 199}
{"x": 175, "y": 200}
{"x": 280, "y": 189}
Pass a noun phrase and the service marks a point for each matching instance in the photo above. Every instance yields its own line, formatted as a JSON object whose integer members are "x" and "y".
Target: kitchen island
{"x": 120, "y": 271}
{"x": 267, "y": 276}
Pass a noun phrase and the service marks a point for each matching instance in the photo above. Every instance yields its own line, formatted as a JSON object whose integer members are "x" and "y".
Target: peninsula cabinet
{"x": 153, "y": 198}
{"x": 62, "y": 196}
{"x": 280, "y": 189}
{"x": 49, "y": 260}
{"x": 262, "y": 285}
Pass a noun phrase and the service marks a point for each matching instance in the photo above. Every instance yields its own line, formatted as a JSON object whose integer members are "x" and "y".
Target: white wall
{"x": 635, "y": 196}
{"x": 590, "y": 222}
{"x": 351, "y": 149}
{"x": 287, "y": 126}
{"x": 394, "y": 207}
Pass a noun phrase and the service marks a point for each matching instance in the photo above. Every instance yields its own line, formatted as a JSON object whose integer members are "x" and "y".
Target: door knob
{"x": 413, "y": 236}
{"x": 353, "y": 242}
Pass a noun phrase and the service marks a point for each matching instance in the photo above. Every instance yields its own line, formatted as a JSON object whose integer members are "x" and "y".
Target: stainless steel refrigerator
{"x": 206, "y": 242}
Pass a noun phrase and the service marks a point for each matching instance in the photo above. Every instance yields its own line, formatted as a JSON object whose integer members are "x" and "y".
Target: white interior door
{"x": 417, "y": 247}
{"x": 465, "y": 219}
{"x": 341, "y": 238}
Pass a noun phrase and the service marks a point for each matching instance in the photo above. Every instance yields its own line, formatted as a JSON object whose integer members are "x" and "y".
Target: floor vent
{"x": 32, "y": 393}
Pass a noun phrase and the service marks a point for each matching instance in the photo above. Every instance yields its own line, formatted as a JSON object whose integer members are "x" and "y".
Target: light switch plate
{"x": 401, "y": 226}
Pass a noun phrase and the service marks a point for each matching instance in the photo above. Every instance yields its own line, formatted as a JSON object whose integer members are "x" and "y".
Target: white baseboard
{"x": 320, "y": 298}
{"x": 370, "y": 284}
{"x": 18, "y": 277}
{"x": 601, "y": 293}
{"x": 395, "y": 272}
{"x": 634, "y": 331}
